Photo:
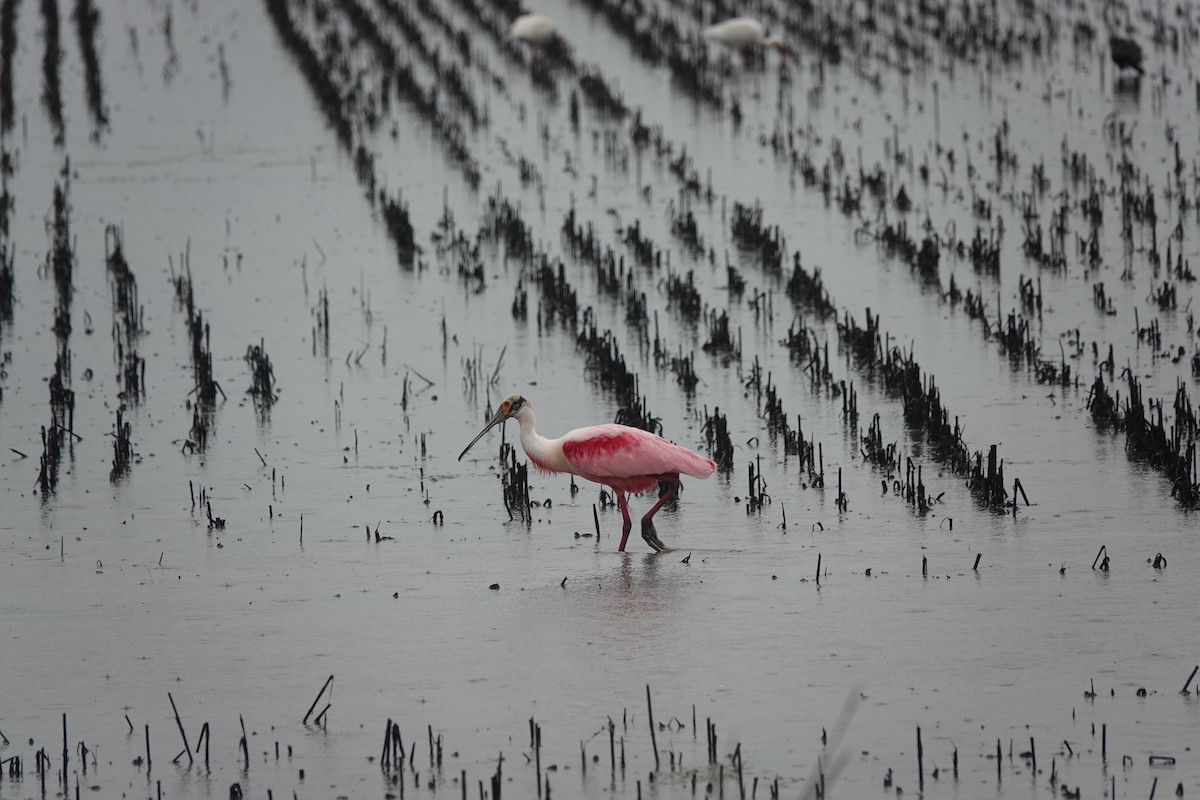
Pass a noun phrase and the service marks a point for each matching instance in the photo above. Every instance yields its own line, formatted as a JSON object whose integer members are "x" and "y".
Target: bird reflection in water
{"x": 644, "y": 589}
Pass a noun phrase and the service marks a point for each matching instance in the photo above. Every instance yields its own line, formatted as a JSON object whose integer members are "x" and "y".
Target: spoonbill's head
{"x": 510, "y": 406}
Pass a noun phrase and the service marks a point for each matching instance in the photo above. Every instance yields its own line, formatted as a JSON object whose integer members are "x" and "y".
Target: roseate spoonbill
{"x": 623, "y": 458}
{"x": 742, "y": 33}
{"x": 1126, "y": 53}
{"x": 534, "y": 29}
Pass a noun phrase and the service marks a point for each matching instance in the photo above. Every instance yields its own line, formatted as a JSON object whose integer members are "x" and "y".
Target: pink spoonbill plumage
{"x": 628, "y": 460}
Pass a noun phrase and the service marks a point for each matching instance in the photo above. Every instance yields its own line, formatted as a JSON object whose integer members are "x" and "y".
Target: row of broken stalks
{"x": 898, "y": 372}
{"x": 61, "y": 264}
{"x": 126, "y": 330}
{"x": 354, "y": 109}
{"x": 205, "y": 388}
{"x": 7, "y": 250}
{"x": 1166, "y": 445}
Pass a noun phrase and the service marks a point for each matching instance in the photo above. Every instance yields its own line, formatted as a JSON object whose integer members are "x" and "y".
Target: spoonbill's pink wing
{"x": 603, "y": 452}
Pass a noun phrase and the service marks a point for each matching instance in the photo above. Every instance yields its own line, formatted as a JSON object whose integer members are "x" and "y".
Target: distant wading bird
{"x": 536, "y": 30}
{"x": 743, "y": 33}
{"x": 1126, "y": 53}
{"x": 623, "y": 458}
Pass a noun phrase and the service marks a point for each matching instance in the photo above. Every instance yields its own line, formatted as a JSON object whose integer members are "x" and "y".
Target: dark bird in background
{"x": 1126, "y": 53}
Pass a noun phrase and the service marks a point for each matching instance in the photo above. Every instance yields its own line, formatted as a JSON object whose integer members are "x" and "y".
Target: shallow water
{"x": 117, "y": 592}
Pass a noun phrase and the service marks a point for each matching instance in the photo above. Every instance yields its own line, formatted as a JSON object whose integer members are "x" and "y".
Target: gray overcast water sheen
{"x": 250, "y": 620}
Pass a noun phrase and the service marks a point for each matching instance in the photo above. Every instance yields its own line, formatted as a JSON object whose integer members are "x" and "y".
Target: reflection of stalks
{"x": 8, "y": 48}
{"x": 823, "y": 776}
{"x": 168, "y": 31}
{"x": 262, "y": 376}
{"x": 122, "y": 448}
{"x": 223, "y": 65}
{"x": 6, "y": 282}
{"x": 87, "y": 20}
{"x": 51, "y": 90}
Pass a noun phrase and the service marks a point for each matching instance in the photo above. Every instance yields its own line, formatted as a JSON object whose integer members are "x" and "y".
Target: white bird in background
{"x": 742, "y": 33}
{"x": 537, "y": 30}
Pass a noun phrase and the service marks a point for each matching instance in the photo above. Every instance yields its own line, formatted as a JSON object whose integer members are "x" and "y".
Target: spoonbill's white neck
{"x": 545, "y": 453}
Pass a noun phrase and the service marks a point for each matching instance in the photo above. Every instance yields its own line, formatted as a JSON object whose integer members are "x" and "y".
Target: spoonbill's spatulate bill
{"x": 627, "y": 460}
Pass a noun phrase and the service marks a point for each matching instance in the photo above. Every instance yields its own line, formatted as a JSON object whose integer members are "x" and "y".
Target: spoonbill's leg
{"x": 648, "y": 532}
{"x": 627, "y": 525}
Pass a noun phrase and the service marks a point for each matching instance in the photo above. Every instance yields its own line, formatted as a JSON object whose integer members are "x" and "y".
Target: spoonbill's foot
{"x": 651, "y": 536}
